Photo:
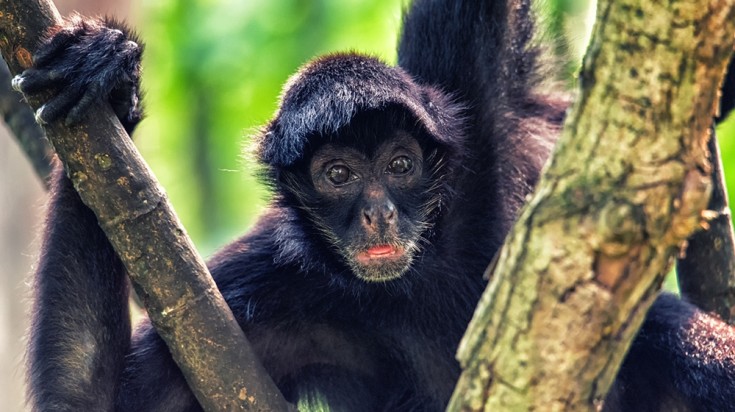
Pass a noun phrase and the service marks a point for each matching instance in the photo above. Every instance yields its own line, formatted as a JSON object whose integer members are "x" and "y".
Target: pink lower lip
{"x": 378, "y": 254}
{"x": 381, "y": 250}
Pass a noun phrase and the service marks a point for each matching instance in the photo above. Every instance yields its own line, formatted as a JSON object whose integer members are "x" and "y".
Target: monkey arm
{"x": 80, "y": 322}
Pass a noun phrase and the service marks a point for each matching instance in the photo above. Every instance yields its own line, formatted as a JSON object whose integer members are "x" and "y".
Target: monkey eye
{"x": 340, "y": 174}
{"x": 400, "y": 165}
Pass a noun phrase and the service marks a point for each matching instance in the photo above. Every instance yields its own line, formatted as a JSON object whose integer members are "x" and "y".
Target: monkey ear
{"x": 327, "y": 93}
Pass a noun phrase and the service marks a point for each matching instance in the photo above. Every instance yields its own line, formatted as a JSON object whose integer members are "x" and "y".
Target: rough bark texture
{"x": 625, "y": 189}
{"x": 180, "y": 296}
{"x": 706, "y": 272}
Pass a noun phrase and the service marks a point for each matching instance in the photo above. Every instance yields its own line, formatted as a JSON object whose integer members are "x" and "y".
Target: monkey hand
{"x": 85, "y": 61}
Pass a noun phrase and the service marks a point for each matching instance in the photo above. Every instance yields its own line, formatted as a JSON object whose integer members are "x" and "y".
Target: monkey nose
{"x": 373, "y": 215}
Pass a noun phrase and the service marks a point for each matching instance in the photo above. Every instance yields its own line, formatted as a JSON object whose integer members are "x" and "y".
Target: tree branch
{"x": 624, "y": 190}
{"x": 181, "y": 298}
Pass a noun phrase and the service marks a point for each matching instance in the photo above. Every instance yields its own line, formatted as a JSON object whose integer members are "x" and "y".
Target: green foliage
{"x": 312, "y": 401}
{"x": 726, "y": 138}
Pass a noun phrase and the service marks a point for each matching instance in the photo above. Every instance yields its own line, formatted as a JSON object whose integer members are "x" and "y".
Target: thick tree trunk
{"x": 182, "y": 300}
{"x": 625, "y": 189}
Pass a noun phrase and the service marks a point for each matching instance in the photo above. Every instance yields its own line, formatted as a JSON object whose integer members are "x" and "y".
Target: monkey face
{"x": 373, "y": 206}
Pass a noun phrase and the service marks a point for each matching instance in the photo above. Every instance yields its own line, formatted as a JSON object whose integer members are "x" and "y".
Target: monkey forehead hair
{"x": 326, "y": 94}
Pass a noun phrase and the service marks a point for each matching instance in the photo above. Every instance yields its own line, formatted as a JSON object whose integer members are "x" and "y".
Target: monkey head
{"x": 366, "y": 154}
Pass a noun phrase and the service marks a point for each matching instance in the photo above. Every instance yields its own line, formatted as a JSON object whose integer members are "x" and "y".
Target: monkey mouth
{"x": 381, "y": 261}
{"x": 379, "y": 254}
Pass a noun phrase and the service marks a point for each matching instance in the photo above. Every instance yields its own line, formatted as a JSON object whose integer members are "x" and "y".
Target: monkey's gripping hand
{"x": 82, "y": 62}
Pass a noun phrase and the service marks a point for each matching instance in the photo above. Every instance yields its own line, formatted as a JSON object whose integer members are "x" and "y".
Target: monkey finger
{"x": 80, "y": 109}
{"x": 33, "y": 81}
{"x": 58, "y": 106}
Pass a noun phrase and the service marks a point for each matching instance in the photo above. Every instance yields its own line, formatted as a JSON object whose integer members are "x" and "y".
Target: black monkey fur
{"x": 465, "y": 91}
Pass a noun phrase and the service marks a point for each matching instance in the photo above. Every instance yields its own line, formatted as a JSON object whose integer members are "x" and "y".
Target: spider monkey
{"x": 393, "y": 187}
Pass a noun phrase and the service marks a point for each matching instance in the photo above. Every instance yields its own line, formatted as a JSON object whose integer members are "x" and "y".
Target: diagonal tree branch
{"x": 181, "y": 298}
{"x": 625, "y": 188}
